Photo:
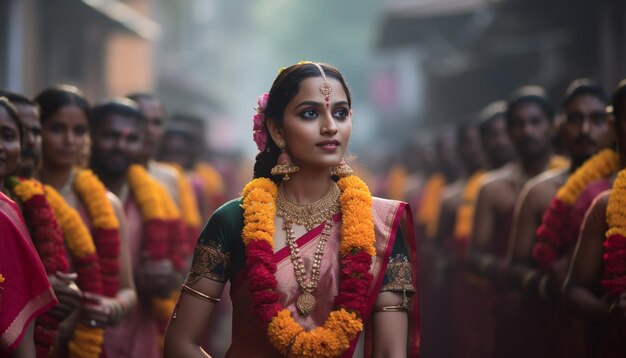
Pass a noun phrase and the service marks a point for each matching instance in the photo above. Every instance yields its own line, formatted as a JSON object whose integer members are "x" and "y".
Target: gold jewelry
{"x": 402, "y": 307}
{"x": 284, "y": 165}
{"x": 342, "y": 170}
{"x": 308, "y": 215}
{"x": 199, "y": 294}
{"x": 325, "y": 88}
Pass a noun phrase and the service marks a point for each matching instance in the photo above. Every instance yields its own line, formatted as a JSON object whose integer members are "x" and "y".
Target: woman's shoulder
{"x": 382, "y": 208}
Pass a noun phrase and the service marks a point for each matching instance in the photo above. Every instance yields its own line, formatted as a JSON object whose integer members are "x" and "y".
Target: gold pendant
{"x": 305, "y": 303}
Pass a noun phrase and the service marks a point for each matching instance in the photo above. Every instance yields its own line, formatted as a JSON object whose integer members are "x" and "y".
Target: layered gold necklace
{"x": 310, "y": 216}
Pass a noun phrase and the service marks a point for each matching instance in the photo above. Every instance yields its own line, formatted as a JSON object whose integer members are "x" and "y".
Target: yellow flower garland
{"x": 357, "y": 233}
{"x": 188, "y": 203}
{"x": 94, "y": 196}
{"x": 616, "y": 208}
{"x": 558, "y": 162}
{"x": 154, "y": 203}
{"x": 213, "y": 183}
{"x": 27, "y": 189}
{"x": 601, "y": 165}
{"x": 465, "y": 213}
{"x": 87, "y": 341}
{"x": 428, "y": 214}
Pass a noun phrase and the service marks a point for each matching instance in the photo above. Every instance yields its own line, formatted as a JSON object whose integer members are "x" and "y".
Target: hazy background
{"x": 414, "y": 66}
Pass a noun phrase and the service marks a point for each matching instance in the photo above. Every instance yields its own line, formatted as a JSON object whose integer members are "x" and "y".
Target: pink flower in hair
{"x": 258, "y": 123}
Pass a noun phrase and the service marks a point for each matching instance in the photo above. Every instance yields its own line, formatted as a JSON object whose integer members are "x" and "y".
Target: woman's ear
{"x": 275, "y": 130}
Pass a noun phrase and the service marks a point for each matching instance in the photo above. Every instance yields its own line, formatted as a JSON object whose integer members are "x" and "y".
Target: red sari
{"x": 25, "y": 292}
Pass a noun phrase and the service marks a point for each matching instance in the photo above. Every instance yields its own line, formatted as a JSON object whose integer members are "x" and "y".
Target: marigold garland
{"x": 87, "y": 341}
{"x": 214, "y": 185}
{"x": 614, "y": 274}
{"x": 356, "y": 249}
{"x": 465, "y": 213}
{"x": 48, "y": 240}
{"x": 105, "y": 227}
{"x": 188, "y": 206}
{"x": 555, "y": 235}
{"x": 430, "y": 206}
{"x": 558, "y": 162}
{"x": 162, "y": 225}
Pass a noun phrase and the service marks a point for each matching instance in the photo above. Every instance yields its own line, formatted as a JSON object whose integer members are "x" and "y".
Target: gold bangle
{"x": 396, "y": 308}
{"x": 199, "y": 294}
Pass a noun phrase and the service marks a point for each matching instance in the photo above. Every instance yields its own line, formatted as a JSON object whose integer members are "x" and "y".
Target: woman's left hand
{"x": 96, "y": 310}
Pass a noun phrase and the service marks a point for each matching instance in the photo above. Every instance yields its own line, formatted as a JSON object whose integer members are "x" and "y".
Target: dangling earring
{"x": 284, "y": 166}
{"x": 342, "y": 170}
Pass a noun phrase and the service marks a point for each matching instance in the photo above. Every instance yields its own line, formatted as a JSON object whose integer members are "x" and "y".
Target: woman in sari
{"x": 310, "y": 255}
{"x": 25, "y": 292}
{"x": 91, "y": 218}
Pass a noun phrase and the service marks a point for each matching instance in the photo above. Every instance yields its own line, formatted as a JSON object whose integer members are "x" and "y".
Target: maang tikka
{"x": 284, "y": 165}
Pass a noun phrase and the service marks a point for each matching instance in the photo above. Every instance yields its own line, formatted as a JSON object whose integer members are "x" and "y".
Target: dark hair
{"x": 492, "y": 112}
{"x": 584, "y": 86}
{"x": 140, "y": 95}
{"x": 529, "y": 94}
{"x": 54, "y": 98}
{"x": 12, "y": 112}
{"x": 619, "y": 97}
{"x": 115, "y": 106}
{"x": 17, "y": 98}
{"x": 284, "y": 89}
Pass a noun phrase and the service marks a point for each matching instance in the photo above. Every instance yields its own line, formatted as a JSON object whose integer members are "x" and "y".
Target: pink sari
{"x": 25, "y": 292}
{"x": 249, "y": 339}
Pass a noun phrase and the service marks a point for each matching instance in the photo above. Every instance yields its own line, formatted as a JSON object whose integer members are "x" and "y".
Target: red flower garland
{"x": 614, "y": 274}
{"x": 555, "y": 234}
{"x": 47, "y": 237}
{"x": 105, "y": 228}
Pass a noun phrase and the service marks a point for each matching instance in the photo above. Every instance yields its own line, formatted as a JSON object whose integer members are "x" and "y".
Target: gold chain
{"x": 308, "y": 215}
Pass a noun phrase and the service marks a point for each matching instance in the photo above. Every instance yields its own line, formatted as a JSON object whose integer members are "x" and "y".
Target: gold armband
{"x": 396, "y": 308}
{"x": 199, "y": 294}
{"x": 402, "y": 307}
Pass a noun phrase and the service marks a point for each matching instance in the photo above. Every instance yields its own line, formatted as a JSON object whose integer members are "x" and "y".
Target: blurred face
{"x": 316, "y": 135}
{"x": 446, "y": 154}
{"x": 9, "y": 145}
{"x": 531, "y": 130}
{"x": 31, "y": 144}
{"x": 152, "y": 110}
{"x": 176, "y": 149}
{"x": 497, "y": 144}
{"x": 116, "y": 144}
{"x": 470, "y": 149}
{"x": 63, "y": 136}
{"x": 586, "y": 128}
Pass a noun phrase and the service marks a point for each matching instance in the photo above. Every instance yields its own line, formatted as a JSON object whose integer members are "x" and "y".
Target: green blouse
{"x": 220, "y": 252}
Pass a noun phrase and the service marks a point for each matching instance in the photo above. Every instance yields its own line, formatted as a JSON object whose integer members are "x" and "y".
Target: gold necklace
{"x": 308, "y": 215}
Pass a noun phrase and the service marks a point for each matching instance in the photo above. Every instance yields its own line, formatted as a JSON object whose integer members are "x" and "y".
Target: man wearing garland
{"x": 585, "y": 130}
{"x": 154, "y": 116}
{"x": 595, "y": 286}
{"x": 152, "y": 218}
{"x": 530, "y": 124}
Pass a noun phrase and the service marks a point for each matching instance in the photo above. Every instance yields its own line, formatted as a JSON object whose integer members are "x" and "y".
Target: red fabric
{"x": 25, "y": 292}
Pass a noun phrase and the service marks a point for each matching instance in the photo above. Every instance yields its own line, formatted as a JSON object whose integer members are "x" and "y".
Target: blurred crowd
{"x": 521, "y": 227}
{"x": 113, "y": 195}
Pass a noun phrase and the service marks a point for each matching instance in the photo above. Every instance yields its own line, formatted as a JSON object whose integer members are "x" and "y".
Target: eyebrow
{"x": 320, "y": 104}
